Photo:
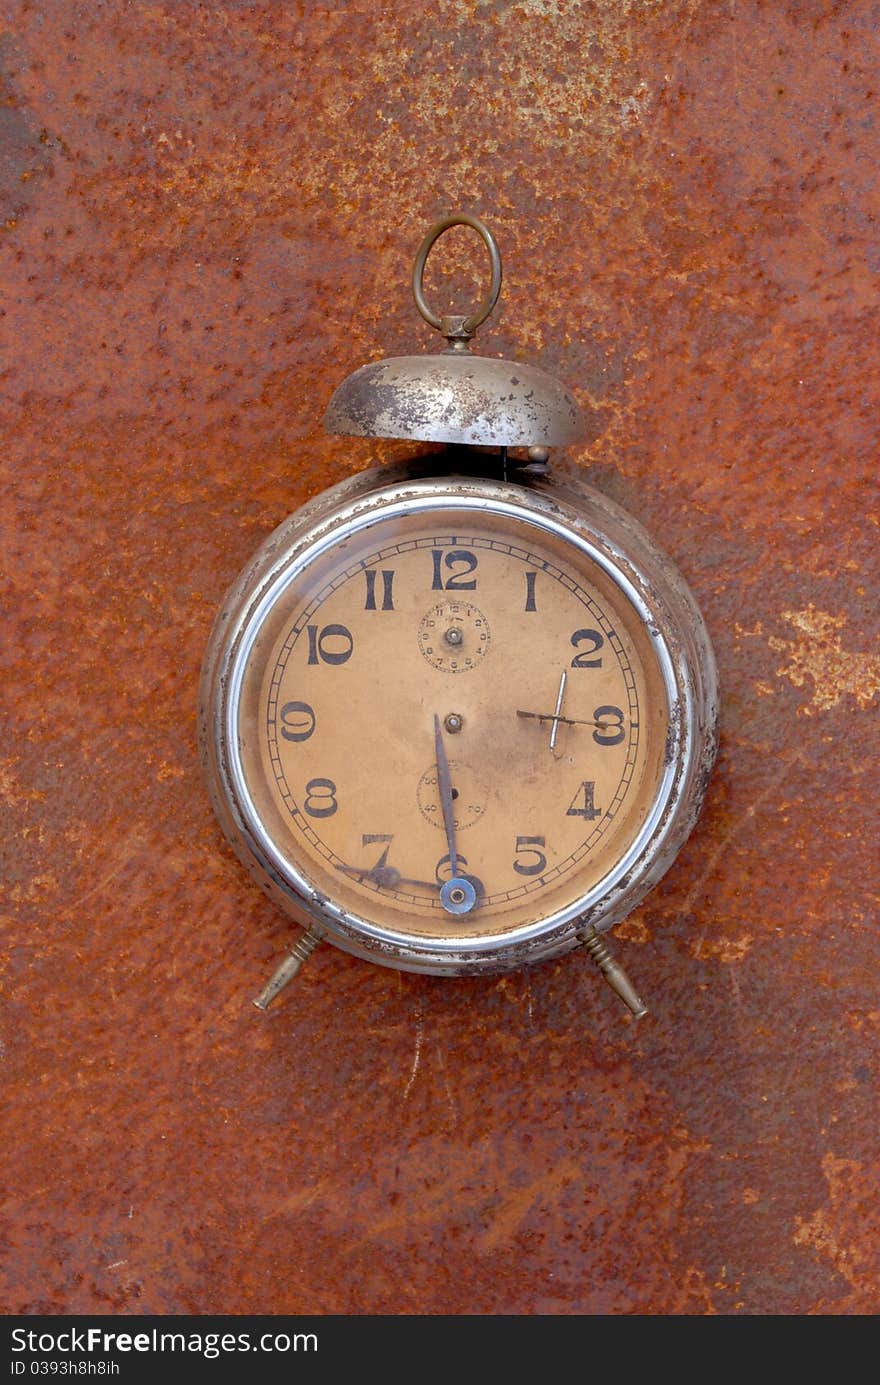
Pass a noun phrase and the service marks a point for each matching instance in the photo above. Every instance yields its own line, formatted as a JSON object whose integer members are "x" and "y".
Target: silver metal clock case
{"x": 481, "y": 407}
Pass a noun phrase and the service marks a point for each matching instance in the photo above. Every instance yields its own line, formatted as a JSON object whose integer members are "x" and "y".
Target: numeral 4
{"x": 583, "y": 804}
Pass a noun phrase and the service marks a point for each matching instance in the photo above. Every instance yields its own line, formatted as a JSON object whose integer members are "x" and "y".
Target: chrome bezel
{"x": 601, "y": 533}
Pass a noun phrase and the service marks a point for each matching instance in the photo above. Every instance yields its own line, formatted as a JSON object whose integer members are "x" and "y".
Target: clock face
{"x": 459, "y": 691}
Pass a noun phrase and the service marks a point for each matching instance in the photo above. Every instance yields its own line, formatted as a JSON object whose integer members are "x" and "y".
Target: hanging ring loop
{"x": 458, "y": 328}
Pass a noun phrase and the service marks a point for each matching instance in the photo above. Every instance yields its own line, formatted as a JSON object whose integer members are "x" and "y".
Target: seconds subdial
{"x": 454, "y": 636}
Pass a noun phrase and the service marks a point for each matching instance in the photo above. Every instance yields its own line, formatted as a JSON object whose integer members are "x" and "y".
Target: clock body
{"x": 523, "y": 638}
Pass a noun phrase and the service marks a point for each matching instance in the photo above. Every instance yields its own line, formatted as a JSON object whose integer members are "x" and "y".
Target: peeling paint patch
{"x": 725, "y": 949}
{"x": 816, "y": 654}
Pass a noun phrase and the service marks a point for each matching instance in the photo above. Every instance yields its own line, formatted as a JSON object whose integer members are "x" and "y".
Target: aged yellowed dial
{"x": 473, "y": 652}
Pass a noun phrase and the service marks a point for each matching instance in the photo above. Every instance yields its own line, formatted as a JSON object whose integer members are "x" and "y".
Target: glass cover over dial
{"x": 457, "y": 695}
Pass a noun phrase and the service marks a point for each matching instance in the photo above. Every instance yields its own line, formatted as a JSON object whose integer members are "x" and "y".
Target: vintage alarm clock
{"x": 458, "y": 715}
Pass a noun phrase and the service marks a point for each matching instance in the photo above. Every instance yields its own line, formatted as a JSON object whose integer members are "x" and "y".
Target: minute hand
{"x": 444, "y": 783}
{"x": 566, "y": 721}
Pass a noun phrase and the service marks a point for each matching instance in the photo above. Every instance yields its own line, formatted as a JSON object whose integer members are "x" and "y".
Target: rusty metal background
{"x": 208, "y": 215}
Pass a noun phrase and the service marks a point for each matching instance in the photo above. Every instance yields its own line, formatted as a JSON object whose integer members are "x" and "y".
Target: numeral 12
{"x": 456, "y": 582}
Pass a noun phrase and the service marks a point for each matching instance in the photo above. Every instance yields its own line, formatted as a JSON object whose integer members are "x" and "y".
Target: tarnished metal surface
{"x": 456, "y": 396}
{"x": 460, "y": 399}
{"x": 204, "y": 214}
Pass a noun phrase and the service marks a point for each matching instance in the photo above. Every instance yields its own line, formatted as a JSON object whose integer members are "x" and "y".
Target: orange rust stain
{"x": 515, "y": 1207}
{"x": 841, "y": 1230}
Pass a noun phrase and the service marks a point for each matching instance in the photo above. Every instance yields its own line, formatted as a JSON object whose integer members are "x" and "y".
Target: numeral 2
{"x": 595, "y": 642}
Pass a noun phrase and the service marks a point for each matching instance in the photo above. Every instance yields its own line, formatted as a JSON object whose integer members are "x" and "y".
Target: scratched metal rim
{"x": 604, "y": 534}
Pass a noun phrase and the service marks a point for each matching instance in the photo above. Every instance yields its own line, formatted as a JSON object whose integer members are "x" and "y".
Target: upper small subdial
{"x": 454, "y": 636}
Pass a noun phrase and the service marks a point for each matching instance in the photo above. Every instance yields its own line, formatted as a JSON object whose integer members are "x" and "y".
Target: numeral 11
{"x": 387, "y": 581}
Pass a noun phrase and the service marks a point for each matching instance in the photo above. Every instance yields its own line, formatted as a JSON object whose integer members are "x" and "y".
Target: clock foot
{"x": 612, "y": 971}
{"x": 298, "y": 952}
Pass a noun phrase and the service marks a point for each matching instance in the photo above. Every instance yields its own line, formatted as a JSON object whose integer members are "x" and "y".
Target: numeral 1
{"x": 530, "y": 591}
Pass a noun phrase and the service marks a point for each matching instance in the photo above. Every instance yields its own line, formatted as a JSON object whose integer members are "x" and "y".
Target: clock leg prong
{"x": 613, "y": 972}
{"x": 297, "y": 953}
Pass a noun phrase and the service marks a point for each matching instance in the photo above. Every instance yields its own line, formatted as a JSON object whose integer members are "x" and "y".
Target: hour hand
{"x": 422, "y": 884}
{"x": 565, "y": 721}
{"x": 385, "y": 877}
